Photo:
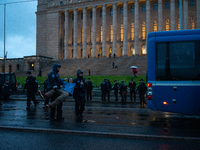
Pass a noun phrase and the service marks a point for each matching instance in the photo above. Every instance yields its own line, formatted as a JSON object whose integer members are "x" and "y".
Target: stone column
{"x": 66, "y": 33}
{"x": 148, "y": 17}
{"x": 185, "y": 9}
{"x": 172, "y": 13}
{"x": 125, "y": 19}
{"x": 114, "y": 29}
{"x": 75, "y": 33}
{"x": 160, "y": 15}
{"x": 136, "y": 28}
{"x": 84, "y": 32}
{"x": 104, "y": 32}
{"x": 198, "y": 14}
{"x": 94, "y": 32}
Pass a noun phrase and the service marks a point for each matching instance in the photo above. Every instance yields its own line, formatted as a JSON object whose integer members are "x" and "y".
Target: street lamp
{"x": 4, "y": 40}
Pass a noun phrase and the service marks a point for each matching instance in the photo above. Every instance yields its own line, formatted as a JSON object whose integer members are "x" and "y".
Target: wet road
{"x": 107, "y": 117}
{"x": 14, "y": 140}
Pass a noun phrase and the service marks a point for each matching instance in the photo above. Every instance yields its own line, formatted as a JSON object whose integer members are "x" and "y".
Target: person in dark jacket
{"x": 79, "y": 95}
{"x": 132, "y": 85}
{"x": 116, "y": 88}
{"x": 31, "y": 85}
{"x": 103, "y": 90}
{"x": 141, "y": 89}
{"x": 89, "y": 87}
{"x": 109, "y": 88}
{"x": 123, "y": 91}
{"x": 54, "y": 82}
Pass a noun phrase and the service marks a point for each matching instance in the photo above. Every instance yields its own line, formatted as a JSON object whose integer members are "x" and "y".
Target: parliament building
{"x": 75, "y": 29}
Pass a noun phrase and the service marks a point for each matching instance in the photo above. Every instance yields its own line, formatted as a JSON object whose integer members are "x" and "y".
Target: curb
{"x": 102, "y": 134}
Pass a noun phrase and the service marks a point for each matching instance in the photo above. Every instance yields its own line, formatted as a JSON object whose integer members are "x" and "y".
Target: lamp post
{"x": 4, "y": 40}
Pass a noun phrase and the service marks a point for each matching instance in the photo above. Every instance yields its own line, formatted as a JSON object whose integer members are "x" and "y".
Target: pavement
{"x": 109, "y": 119}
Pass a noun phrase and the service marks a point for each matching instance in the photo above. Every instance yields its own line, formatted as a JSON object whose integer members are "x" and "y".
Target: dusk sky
{"x": 20, "y": 28}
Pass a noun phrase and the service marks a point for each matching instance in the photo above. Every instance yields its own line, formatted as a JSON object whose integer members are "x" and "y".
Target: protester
{"x": 31, "y": 85}
{"x": 62, "y": 94}
{"x": 79, "y": 95}
{"x": 89, "y": 87}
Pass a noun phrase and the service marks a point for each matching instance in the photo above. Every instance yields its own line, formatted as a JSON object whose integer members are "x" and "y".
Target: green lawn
{"x": 95, "y": 79}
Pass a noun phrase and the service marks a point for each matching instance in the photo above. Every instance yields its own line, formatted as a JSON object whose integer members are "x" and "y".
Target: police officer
{"x": 123, "y": 91}
{"x": 116, "y": 88}
{"x": 79, "y": 95}
{"x": 132, "y": 85}
{"x": 54, "y": 82}
{"x": 89, "y": 87}
{"x": 31, "y": 85}
{"x": 109, "y": 87}
{"x": 103, "y": 90}
{"x": 142, "y": 89}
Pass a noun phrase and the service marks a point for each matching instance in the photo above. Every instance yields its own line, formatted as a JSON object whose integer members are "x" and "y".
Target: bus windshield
{"x": 178, "y": 60}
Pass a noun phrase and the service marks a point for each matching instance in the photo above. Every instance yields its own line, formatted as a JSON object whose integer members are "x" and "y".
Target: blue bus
{"x": 173, "y": 81}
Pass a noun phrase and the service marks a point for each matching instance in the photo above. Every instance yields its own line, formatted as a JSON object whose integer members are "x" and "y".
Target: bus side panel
{"x": 180, "y": 100}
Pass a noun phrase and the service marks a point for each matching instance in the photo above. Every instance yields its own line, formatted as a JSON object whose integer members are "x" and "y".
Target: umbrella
{"x": 133, "y": 67}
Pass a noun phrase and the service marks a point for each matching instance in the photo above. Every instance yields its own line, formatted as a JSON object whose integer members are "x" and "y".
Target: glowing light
{"x": 164, "y": 103}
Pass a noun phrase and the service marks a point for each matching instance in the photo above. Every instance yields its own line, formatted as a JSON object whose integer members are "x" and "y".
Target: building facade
{"x": 70, "y": 29}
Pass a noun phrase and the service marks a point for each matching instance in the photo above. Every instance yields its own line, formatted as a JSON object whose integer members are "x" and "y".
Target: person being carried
{"x": 68, "y": 88}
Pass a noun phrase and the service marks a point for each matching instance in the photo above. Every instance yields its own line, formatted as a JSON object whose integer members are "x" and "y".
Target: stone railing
{"x": 54, "y": 3}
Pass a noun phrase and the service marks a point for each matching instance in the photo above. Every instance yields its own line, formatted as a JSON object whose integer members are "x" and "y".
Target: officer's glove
{"x": 55, "y": 87}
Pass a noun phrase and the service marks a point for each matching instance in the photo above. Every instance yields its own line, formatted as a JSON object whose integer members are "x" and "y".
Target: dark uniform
{"x": 132, "y": 85}
{"x": 123, "y": 91}
{"x": 116, "y": 88}
{"x": 109, "y": 87}
{"x": 54, "y": 82}
{"x": 89, "y": 87}
{"x": 142, "y": 89}
{"x": 79, "y": 95}
{"x": 31, "y": 85}
{"x": 103, "y": 90}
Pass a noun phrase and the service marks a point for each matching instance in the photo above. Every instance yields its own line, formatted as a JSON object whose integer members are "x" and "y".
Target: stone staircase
{"x": 98, "y": 66}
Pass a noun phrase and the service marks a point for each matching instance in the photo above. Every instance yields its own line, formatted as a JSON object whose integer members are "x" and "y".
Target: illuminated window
{"x": 132, "y": 31}
{"x": 122, "y": 50}
{"x": 132, "y": 50}
{"x": 155, "y": 26}
{"x": 143, "y": 30}
{"x": 101, "y": 33}
{"x": 90, "y": 52}
{"x": 111, "y": 33}
{"x": 144, "y": 49}
{"x": 100, "y": 52}
{"x": 167, "y": 25}
{"x": 81, "y": 53}
{"x": 192, "y": 23}
{"x": 122, "y": 32}
{"x": 178, "y": 23}
{"x": 81, "y": 35}
{"x": 132, "y": 9}
{"x": 91, "y": 35}
{"x": 110, "y": 51}
{"x": 70, "y": 1}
